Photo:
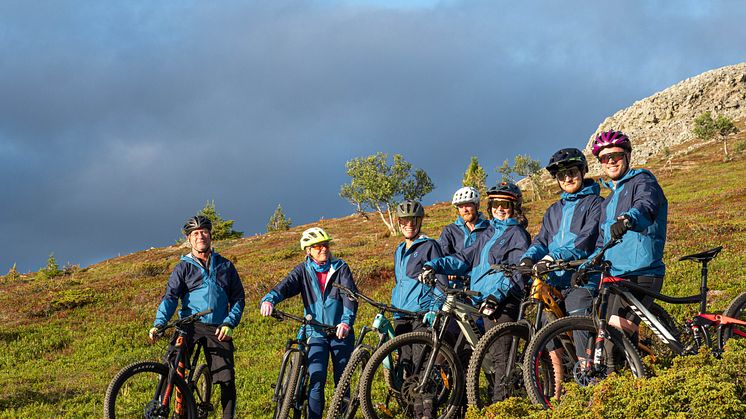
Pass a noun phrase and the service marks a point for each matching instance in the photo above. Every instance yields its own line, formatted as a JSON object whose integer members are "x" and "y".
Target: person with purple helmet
{"x": 635, "y": 211}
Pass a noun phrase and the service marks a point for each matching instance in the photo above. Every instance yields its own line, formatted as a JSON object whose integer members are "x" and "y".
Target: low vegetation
{"x": 62, "y": 338}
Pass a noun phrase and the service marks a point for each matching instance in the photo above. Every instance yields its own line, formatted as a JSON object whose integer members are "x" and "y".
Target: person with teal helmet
{"x": 313, "y": 279}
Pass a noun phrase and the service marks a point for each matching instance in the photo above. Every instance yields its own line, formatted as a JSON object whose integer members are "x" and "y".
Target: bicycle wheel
{"x": 289, "y": 381}
{"x": 737, "y": 310}
{"x": 141, "y": 390}
{"x": 202, "y": 390}
{"x": 560, "y": 339}
{"x": 483, "y": 386}
{"x": 407, "y": 357}
{"x": 346, "y": 401}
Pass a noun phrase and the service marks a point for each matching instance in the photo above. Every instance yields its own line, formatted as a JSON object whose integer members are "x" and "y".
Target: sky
{"x": 118, "y": 120}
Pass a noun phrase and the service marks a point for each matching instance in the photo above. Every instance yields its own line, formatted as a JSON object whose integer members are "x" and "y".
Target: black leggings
{"x": 228, "y": 399}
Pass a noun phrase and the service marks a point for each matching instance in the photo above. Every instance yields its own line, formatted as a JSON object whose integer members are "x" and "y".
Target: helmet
{"x": 409, "y": 208}
{"x": 507, "y": 191}
{"x": 195, "y": 223}
{"x": 464, "y": 195}
{"x": 611, "y": 139}
{"x": 567, "y": 157}
{"x": 313, "y": 235}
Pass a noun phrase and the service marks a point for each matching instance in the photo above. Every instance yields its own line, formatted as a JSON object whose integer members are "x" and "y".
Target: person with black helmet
{"x": 408, "y": 293}
{"x": 205, "y": 280}
{"x": 505, "y": 241}
{"x": 636, "y": 211}
{"x": 569, "y": 231}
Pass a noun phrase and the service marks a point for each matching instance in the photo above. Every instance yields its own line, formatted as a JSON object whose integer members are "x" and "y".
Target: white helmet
{"x": 464, "y": 195}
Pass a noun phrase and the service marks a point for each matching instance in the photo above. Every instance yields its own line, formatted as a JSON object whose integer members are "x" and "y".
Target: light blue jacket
{"x": 638, "y": 195}
{"x": 408, "y": 293}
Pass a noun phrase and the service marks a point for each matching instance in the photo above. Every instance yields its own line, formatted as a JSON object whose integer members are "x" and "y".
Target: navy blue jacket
{"x": 569, "y": 231}
{"x": 219, "y": 288}
{"x": 329, "y": 306}
{"x": 503, "y": 242}
{"x": 408, "y": 293}
{"x": 638, "y": 195}
{"x": 456, "y": 236}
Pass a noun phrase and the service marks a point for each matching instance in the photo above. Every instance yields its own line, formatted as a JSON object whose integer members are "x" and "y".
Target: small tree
{"x": 52, "y": 269}
{"x": 475, "y": 176}
{"x": 278, "y": 221}
{"x": 705, "y": 128}
{"x": 377, "y": 185}
{"x": 523, "y": 165}
{"x": 505, "y": 172}
{"x": 12, "y": 274}
{"x": 221, "y": 229}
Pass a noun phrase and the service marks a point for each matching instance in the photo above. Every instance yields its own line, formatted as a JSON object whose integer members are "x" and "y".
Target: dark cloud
{"x": 119, "y": 120}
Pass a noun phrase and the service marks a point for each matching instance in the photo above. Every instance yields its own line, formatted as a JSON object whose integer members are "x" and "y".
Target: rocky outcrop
{"x": 665, "y": 119}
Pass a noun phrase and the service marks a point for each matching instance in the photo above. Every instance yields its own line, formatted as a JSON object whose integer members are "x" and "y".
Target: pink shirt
{"x": 321, "y": 276}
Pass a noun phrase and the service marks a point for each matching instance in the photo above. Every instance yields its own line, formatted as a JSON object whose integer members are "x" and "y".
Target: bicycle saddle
{"x": 705, "y": 256}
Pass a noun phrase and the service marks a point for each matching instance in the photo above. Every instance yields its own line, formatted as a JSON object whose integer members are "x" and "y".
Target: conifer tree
{"x": 278, "y": 221}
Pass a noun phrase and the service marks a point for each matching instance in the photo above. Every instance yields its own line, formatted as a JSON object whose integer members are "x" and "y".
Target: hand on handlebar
{"x": 266, "y": 309}
{"x": 579, "y": 278}
{"x": 342, "y": 330}
{"x": 153, "y": 334}
{"x": 543, "y": 266}
{"x": 621, "y": 226}
{"x": 427, "y": 276}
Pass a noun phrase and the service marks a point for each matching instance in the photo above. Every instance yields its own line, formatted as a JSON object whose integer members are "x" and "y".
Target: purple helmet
{"x": 611, "y": 138}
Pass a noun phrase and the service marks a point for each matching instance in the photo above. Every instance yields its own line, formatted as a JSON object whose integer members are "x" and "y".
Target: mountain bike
{"x": 291, "y": 387}
{"x": 346, "y": 401}
{"x": 161, "y": 390}
{"x": 424, "y": 368}
{"x": 606, "y": 349}
{"x": 544, "y": 301}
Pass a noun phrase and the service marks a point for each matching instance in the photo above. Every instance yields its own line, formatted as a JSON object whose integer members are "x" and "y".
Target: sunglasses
{"x": 319, "y": 246}
{"x": 612, "y": 157}
{"x": 499, "y": 203}
{"x": 572, "y": 172}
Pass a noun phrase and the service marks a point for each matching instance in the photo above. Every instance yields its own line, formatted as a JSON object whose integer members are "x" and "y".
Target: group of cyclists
{"x": 573, "y": 228}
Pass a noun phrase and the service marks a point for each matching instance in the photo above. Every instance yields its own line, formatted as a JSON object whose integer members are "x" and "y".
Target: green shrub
{"x": 72, "y": 298}
{"x": 149, "y": 269}
{"x": 51, "y": 270}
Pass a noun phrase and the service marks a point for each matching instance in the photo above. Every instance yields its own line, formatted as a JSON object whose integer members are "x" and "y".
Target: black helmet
{"x": 507, "y": 191}
{"x": 565, "y": 158}
{"x": 409, "y": 208}
{"x": 195, "y": 223}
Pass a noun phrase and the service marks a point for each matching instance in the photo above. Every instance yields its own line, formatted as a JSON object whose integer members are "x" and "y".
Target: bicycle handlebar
{"x": 381, "y": 306}
{"x": 307, "y": 320}
{"x": 182, "y": 322}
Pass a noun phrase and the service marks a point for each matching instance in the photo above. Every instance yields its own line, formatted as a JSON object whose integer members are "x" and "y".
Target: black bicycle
{"x": 176, "y": 388}
{"x": 291, "y": 388}
{"x": 346, "y": 400}
{"x": 592, "y": 349}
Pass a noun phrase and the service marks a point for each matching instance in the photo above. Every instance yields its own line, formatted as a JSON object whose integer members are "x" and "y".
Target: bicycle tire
{"x": 289, "y": 382}
{"x": 136, "y": 391}
{"x": 480, "y": 382}
{"x": 557, "y": 331}
{"x": 445, "y": 380}
{"x": 736, "y": 309}
{"x": 339, "y": 407}
{"x": 202, "y": 390}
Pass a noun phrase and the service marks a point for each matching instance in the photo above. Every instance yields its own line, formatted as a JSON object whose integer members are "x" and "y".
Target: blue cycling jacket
{"x": 569, "y": 231}
{"x": 408, "y": 293}
{"x": 329, "y": 306}
{"x": 639, "y": 196}
{"x": 198, "y": 288}
{"x": 503, "y": 242}
{"x": 456, "y": 236}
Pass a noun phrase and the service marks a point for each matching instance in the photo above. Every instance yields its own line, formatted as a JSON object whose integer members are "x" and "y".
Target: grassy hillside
{"x": 62, "y": 339}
